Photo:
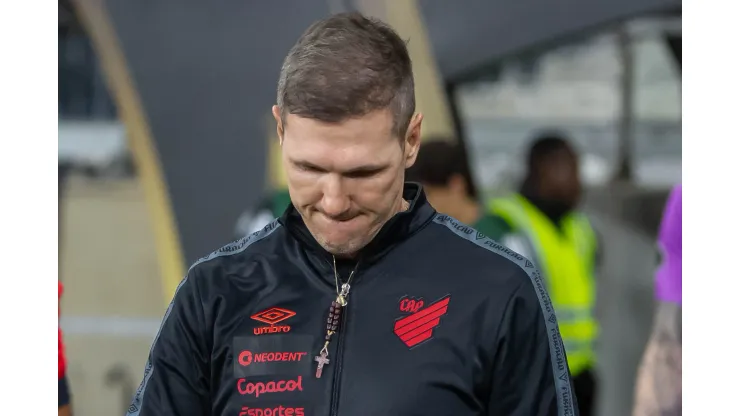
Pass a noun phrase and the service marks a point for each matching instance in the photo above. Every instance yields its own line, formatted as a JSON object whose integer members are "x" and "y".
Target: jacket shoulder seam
{"x": 240, "y": 245}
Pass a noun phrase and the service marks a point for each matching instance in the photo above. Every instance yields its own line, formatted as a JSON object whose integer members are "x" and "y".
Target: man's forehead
{"x": 339, "y": 155}
{"x": 377, "y": 123}
{"x": 338, "y": 159}
{"x": 372, "y": 128}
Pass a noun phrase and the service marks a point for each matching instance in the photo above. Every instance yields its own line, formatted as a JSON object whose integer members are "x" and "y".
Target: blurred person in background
{"x": 441, "y": 168}
{"x": 269, "y": 208}
{"x": 658, "y": 388}
{"x": 541, "y": 223}
{"x": 65, "y": 408}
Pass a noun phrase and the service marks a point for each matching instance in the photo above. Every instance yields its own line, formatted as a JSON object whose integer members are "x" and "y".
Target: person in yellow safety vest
{"x": 544, "y": 226}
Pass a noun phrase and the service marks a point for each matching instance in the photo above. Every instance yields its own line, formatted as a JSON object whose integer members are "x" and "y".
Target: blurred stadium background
{"x": 165, "y": 140}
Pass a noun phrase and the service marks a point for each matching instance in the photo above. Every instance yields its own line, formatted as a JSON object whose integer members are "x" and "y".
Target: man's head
{"x": 552, "y": 171}
{"x": 441, "y": 168}
{"x": 346, "y": 123}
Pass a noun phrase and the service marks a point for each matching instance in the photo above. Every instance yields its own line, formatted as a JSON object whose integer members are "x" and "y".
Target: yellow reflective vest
{"x": 565, "y": 257}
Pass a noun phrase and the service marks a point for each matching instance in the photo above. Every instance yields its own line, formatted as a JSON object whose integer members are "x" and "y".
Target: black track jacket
{"x": 441, "y": 321}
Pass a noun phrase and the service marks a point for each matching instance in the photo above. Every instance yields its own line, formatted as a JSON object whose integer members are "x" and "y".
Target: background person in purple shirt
{"x": 658, "y": 389}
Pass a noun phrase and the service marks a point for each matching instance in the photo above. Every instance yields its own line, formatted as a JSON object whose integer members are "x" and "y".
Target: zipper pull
{"x": 343, "y": 294}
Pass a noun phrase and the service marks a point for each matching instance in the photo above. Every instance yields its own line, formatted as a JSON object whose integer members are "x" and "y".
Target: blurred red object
{"x": 62, "y": 359}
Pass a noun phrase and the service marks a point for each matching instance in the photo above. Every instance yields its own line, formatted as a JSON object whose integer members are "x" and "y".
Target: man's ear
{"x": 412, "y": 141}
{"x": 279, "y": 122}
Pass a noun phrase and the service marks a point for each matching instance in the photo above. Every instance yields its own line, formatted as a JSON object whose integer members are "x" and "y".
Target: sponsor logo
{"x": 285, "y": 355}
{"x": 246, "y": 357}
{"x": 409, "y": 305}
{"x": 259, "y": 388}
{"x": 273, "y": 411}
{"x": 271, "y": 317}
{"x": 417, "y": 327}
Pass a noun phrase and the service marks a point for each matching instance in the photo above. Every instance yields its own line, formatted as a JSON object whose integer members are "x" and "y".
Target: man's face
{"x": 561, "y": 175}
{"x": 346, "y": 179}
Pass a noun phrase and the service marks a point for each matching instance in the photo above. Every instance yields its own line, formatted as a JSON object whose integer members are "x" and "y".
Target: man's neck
{"x": 468, "y": 212}
{"x": 402, "y": 206}
{"x": 551, "y": 209}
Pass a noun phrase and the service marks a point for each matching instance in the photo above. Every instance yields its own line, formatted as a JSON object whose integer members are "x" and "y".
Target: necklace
{"x": 335, "y": 313}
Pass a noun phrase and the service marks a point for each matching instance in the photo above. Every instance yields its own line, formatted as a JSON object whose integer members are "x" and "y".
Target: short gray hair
{"x": 346, "y": 66}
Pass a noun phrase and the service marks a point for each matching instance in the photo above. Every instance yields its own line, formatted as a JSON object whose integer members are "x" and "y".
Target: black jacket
{"x": 441, "y": 321}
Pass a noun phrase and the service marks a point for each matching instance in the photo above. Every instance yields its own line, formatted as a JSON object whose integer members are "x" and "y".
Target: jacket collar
{"x": 396, "y": 230}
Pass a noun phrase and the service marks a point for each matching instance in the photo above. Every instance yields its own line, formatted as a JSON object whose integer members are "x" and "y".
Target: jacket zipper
{"x": 334, "y": 409}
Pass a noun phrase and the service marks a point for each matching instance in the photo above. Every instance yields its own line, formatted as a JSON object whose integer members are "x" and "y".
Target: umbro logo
{"x": 271, "y": 317}
{"x": 419, "y": 326}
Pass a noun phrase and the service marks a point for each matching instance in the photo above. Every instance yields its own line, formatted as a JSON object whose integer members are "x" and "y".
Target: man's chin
{"x": 344, "y": 249}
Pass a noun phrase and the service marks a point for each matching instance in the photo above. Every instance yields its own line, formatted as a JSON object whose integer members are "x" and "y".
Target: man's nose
{"x": 335, "y": 201}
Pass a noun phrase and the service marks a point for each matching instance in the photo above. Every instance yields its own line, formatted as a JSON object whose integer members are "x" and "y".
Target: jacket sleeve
{"x": 176, "y": 377}
{"x": 531, "y": 376}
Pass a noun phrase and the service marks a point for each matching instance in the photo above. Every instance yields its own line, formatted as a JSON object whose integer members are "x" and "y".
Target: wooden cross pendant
{"x": 322, "y": 360}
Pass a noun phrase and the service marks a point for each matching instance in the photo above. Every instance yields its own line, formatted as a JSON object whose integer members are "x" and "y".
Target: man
{"x": 441, "y": 168}
{"x": 658, "y": 390}
{"x": 65, "y": 408}
{"x": 360, "y": 299}
{"x": 543, "y": 225}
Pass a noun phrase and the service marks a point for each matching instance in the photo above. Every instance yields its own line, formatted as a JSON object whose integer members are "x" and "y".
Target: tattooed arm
{"x": 658, "y": 390}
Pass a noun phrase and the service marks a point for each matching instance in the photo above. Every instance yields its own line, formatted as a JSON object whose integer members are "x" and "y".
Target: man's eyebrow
{"x": 369, "y": 168}
{"x": 306, "y": 164}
